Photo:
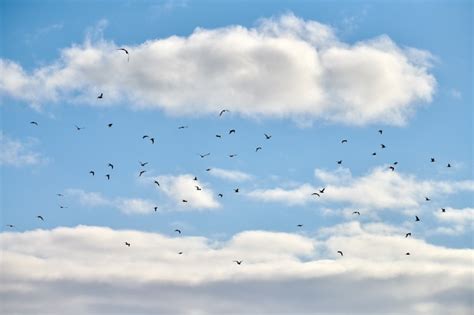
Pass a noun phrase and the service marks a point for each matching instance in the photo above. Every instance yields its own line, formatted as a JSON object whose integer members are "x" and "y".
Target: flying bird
{"x": 78, "y": 128}
{"x": 407, "y": 254}
{"x": 92, "y": 172}
{"x": 127, "y": 243}
{"x": 374, "y": 153}
{"x": 143, "y": 164}
{"x": 60, "y": 195}
{"x": 152, "y": 140}
{"x": 380, "y": 131}
{"x": 218, "y": 136}
{"x": 267, "y": 136}
{"x": 408, "y": 234}
{"x": 223, "y": 111}
{"x": 236, "y": 190}
{"x": 356, "y": 212}
{"x": 382, "y": 146}
{"x": 231, "y": 131}
{"x": 427, "y": 199}
{"x": 126, "y": 51}
{"x": 238, "y": 262}
{"x": 182, "y": 127}
{"x": 184, "y": 200}
{"x": 141, "y": 173}
{"x": 322, "y": 190}
{"x": 110, "y": 165}
{"x": 204, "y": 155}
{"x": 221, "y": 195}
{"x": 443, "y": 210}
{"x": 195, "y": 178}
{"x": 232, "y": 155}
{"x": 339, "y": 162}
{"x": 101, "y": 95}
{"x": 10, "y": 225}
{"x": 62, "y": 207}
{"x": 433, "y": 160}
{"x": 449, "y": 165}
{"x": 315, "y": 194}
{"x": 258, "y": 148}
{"x": 340, "y": 252}
{"x": 392, "y": 168}
{"x": 145, "y": 136}
{"x": 178, "y": 230}
{"x": 156, "y": 182}
{"x": 395, "y": 163}
{"x": 155, "y": 208}
{"x": 300, "y": 225}
{"x": 198, "y": 188}
{"x": 110, "y": 125}
{"x": 417, "y": 218}
{"x": 34, "y": 123}
{"x": 180, "y": 253}
{"x": 344, "y": 141}
{"x": 208, "y": 169}
{"x": 108, "y": 176}
{"x": 40, "y": 217}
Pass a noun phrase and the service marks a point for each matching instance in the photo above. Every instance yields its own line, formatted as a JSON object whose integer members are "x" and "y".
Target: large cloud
{"x": 282, "y": 67}
{"x": 89, "y": 270}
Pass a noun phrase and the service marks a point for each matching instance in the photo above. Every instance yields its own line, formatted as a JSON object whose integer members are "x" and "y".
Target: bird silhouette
{"x": 236, "y": 190}
{"x": 299, "y": 225}
{"x": 152, "y": 140}
{"x": 231, "y": 131}
{"x": 198, "y": 188}
{"x": 157, "y": 183}
{"x": 127, "y": 244}
{"x": 395, "y": 163}
{"x": 238, "y": 262}
{"x": 78, "y": 128}
{"x": 143, "y": 164}
{"x": 126, "y": 51}
{"x": 60, "y": 195}
{"x": 315, "y": 194}
{"x": 380, "y": 131}
{"x": 417, "y": 218}
{"x": 178, "y": 230}
{"x": 221, "y": 195}
{"x": 392, "y": 168}
{"x": 339, "y": 162}
{"x": 108, "y": 176}
{"x": 222, "y": 112}
{"x": 10, "y": 225}
{"x": 92, "y": 172}
{"x": 407, "y": 254}
{"x": 232, "y": 155}
{"x": 184, "y": 200}
{"x": 208, "y": 169}
{"x": 427, "y": 199}
{"x": 449, "y": 165}
{"x": 141, "y": 173}
{"x": 340, "y": 252}
{"x": 180, "y": 253}
{"x": 34, "y": 123}
{"x": 204, "y": 155}
{"x": 408, "y": 234}
{"x": 101, "y": 95}
{"x": 110, "y": 125}
{"x": 195, "y": 178}
{"x": 155, "y": 208}
{"x": 62, "y": 207}
{"x": 344, "y": 141}
{"x": 443, "y": 210}
{"x": 433, "y": 160}
{"x": 182, "y": 127}
{"x": 145, "y": 136}
{"x": 374, "y": 153}
{"x": 382, "y": 146}
{"x": 40, "y": 217}
{"x": 258, "y": 148}
{"x": 110, "y": 165}
{"x": 267, "y": 136}
{"x": 356, "y": 212}
{"x": 218, "y": 136}
{"x": 322, "y": 190}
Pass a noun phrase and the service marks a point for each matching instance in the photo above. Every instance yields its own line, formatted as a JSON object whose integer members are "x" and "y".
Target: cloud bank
{"x": 282, "y": 67}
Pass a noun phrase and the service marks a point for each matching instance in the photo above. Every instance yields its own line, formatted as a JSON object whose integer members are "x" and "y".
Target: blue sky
{"x": 403, "y": 67}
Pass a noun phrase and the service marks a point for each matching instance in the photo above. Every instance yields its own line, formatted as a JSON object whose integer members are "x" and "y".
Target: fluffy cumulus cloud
{"x": 19, "y": 153}
{"x": 283, "y": 67}
{"x": 380, "y": 188}
{"x": 89, "y": 270}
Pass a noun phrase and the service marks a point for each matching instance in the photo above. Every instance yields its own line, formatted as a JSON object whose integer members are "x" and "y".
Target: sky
{"x": 295, "y": 78}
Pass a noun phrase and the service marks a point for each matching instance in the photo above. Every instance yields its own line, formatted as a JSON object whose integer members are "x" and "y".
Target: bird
{"x": 198, "y": 188}
{"x": 184, "y": 200}
{"x": 126, "y": 51}
{"x": 178, "y": 230}
{"x": 155, "y": 208}
{"x": 110, "y": 165}
{"x": 232, "y": 155}
{"x": 231, "y": 131}
{"x": 340, "y": 252}
{"x": 433, "y": 160}
{"x": 374, "y": 153}
{"x": 258, "y": 148}
{"x": 145, "y": 136}
{"x": 267, "y": 136}
{"x": 344, "y": 141}
{"x": 408, "y": 234}
{"x": 223, "y": 111}
{"x": 101, "y": 95}
{"x": 299, "y": 225}
{"x": 221, "y": 195}
{"x": 443, "y": 210}
{"x": 143, "y": 164}
{"x": 417, "y": 218}
{"x": 108, "y": 176}
{"x": 339, "y": 162}
{"x": 195, "y": 178}
{"x": 218, "y": 136}
{"x": 382, "y": 146}
{"x": 238, "y": 262}
{"x": 180, "y": 253}
{"x": 157, "y": 183}
{"x": 60, "y": 195}
{"x": 78, "y": 128}
{"x": 92, "y": 172}
{"x": 449, "y": 165}
{"x": 356, "y": 212}
{"x": 62, "y": 207}
{"x": 208, "y": 169}
{"x": 236, "y": 190}
{"x": 34, "y": 123}
{"x": 141, "y": 173}
{"x": 10, "y": 225}
{"x": 392, "y": 168}
{"x": 152, "y": 140}
{"x": 427, "y": 199}
{"x": 322, "y": 190}
{"x": 395, "y": 163}
{"x": 110, "y": 125}
{"x": 204, "y": 155}
{"x": 182, "y": 127}
{"x": 407, "y": 254}
{"x": 127, "y": 243}
{"x": 315, "y": 194}
{"x": 40, "y": 217}
{"x": 380, "y": 131}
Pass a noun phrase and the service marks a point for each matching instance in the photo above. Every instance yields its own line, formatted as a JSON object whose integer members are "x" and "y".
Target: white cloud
{"x": 18, "y": 153}
{"x": 135, "y": 206}
{"x": 232, "y": 175}
{"x": 52, "y": 269}
{"x": 379, "y": 189}
{"x": 184, "y": 187}
{"x": 283, "y": 67}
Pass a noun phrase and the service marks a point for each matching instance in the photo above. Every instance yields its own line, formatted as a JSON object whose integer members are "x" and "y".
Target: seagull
{"x": 218, "y": 136}
{"x": 382, "y": 146}
{"x": 374, "y": 153}
{"x": 392, "y": 168}
{"x": 322, "y": 190}
{"x": 204, "y": 155}
{"x": 232, "y": 155}
{"x": 208, "y": 169}
{"x": 223, "y": 111}
{"x": 198, "y": 188}
{"x": 184, "y": 200}
{"x": 267, "y": 136}
{"x": 427, "y": 199}
{"x": 231, "y": 131}
{"x": 126, "y": 51}
{"x": 110, "y": 125}
{"x": 300, "y": 225}
{"x": 236, "y": 190}
{"x": 344, "y": 141}
{"x": 141, "y": 173}
{"x": 178, "y": 230}
{"x": 156, "y": 182}
{"x": 340, "y": 252}
{"x": 182, "y": 127}
{"x": 315, "y": 194}
{"x": 143, "y": 164}
{"x": 395, "y": 163}
{"x": 258, "y": 148}
{"x": 339, "y": 162}
{"x": 127, "y": 243}
{"x": 110, "y": 165}
{"x": 101, "y": 95}
{"x": 40, "y": 217}
{"x": 408, "y": 234}
{"x": 380, "y": 131}
{"x": 416, "y": 218}
{"x": 78, "y": 128}
{"x": 433, "y": 160}
{"x": 108, "y": 176}
{"x": 34, "y": 123}
{"x": 221, "y": 195}
{"x": 155, "y": 208}
{"x": 356, "y": 212}
{"x": 238, "y": 262}
{"x": 145, "y": 136}
{"x": 152, "y": 140}
{"x": 443, "y": 210}
{"x": 92, "y": 172}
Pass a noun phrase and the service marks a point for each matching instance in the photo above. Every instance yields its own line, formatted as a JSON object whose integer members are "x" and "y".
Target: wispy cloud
{"x": 232, "y": 175}
{"x": 19, "y": 153}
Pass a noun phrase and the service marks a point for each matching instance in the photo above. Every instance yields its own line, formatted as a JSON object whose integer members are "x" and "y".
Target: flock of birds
{"x": 236, "y": 190}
